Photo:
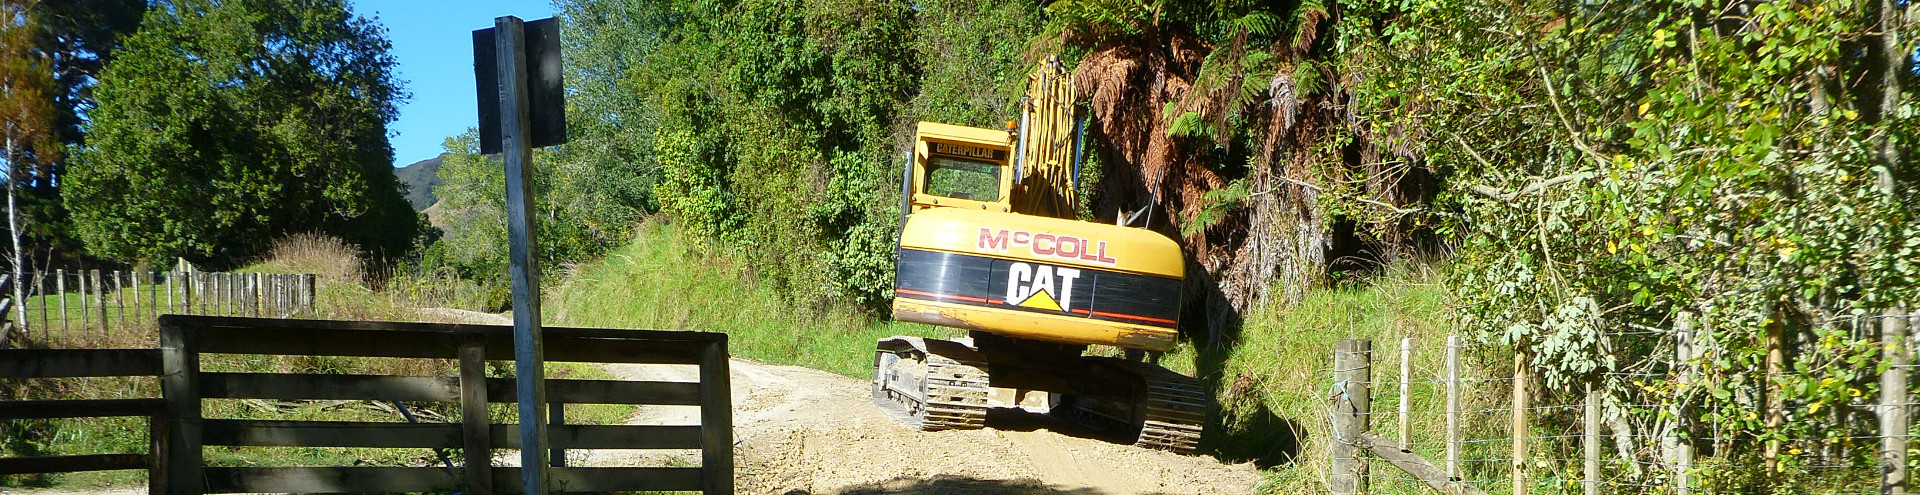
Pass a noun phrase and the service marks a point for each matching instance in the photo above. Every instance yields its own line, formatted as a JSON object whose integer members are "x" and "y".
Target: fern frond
{"x": 1306, "y": 22}
{"x": 1190, "y": 124}
{"x": 1258, "y": 24}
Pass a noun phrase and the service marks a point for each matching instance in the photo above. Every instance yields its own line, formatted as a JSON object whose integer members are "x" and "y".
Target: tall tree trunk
{"x": 1890, "y": 46}
{"x": 13, "y": 230}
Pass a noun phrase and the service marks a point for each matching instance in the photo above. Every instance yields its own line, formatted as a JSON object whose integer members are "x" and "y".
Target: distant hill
{"x": 421, "y": 178}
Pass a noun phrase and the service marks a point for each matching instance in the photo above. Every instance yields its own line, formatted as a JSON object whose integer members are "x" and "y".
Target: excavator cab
{"x": 960, "y": 167}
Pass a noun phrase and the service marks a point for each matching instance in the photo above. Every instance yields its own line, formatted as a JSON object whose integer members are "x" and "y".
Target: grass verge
{"x": 665, "y": 281}
{"x": 1272, "y": 379}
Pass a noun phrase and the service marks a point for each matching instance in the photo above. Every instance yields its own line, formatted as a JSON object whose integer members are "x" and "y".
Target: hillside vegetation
{"x": 666, "y": 279}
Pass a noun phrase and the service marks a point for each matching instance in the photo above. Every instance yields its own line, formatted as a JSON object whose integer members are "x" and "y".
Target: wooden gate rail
{"x": 185, "y": 338}
{"x": 80, "y": 363}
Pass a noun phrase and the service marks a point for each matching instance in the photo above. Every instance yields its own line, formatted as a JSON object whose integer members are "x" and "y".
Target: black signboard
{"x": 546, "y": 97}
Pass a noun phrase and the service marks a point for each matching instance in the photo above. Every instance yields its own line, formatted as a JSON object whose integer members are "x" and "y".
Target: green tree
{"x": 26, "y": 124}
{"x": 224, "y": 124}
{"x": 576, "y": 214}
{"x": 78, "y": 38}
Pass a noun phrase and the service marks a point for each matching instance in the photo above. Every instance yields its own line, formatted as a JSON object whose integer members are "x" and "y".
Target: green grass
{"x": 664, "y": 281}
{"x": 1272, "y": 380}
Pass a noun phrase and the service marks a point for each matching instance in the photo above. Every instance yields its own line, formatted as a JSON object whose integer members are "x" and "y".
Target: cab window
{"x": 963, "y": 179}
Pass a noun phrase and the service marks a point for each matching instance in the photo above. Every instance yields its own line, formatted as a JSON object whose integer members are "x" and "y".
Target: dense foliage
{"x": 1726, "y": 173}
{"x": 222, "y": 125}
{"x": 1731, "y": 173}
{"x": 773, "y": 127}
{"x": 580, "y": 211}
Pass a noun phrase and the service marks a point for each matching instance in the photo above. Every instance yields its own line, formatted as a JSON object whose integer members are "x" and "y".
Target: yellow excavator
{"x": 990, "y": 244}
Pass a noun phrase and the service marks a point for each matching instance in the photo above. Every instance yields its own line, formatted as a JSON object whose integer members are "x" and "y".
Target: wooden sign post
{"x": 502, "y": 63}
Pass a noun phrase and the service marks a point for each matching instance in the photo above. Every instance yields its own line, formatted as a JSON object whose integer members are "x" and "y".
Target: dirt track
{"x": 804, "y": 431}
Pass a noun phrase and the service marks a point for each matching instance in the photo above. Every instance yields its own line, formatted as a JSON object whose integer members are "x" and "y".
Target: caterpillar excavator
{"x": 990, "y": 244}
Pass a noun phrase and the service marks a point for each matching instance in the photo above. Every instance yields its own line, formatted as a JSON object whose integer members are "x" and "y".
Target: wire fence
{"x": 1463, "y": 414}
{"x": 78, "y": 307}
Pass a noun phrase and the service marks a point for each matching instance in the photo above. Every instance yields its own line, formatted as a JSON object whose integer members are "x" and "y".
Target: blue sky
{"x": 433, "y": 41}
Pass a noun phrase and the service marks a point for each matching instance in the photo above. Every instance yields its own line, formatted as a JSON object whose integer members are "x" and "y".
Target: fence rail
{"x": 185, "y": 338}
{"x": 180, "y": 432}
{"x": 81, "y": 363}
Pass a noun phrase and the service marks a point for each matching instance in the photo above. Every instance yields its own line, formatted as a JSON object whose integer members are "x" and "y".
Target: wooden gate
{"x": 181, "y": 432}
{"x": 84, "y": 363}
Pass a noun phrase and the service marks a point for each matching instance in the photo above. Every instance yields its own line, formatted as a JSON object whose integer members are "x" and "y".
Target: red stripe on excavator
{"x": 1133, "y": 317}
{"x": 911, "y": 292}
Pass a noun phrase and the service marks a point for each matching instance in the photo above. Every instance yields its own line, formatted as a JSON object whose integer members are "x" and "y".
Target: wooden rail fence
{"x": 183, "y": 431}
{"x": 82, "y": 363}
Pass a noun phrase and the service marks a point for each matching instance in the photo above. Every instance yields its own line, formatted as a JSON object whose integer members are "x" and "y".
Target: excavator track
{"x": 931, "y": 384}
{"x": 1175, "y": 410}
{"x": 1168, "y": 416}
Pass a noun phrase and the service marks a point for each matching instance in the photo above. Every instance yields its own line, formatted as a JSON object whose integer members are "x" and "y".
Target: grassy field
{"x": 665, "y": 282}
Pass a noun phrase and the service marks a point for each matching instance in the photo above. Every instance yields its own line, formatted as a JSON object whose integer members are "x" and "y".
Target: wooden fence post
{"x": 179, "y": 384}
{"x": 46, "y": 324}
{"x": 716, "y": 421}
{"x": 1682, "y": 436}
{"x": 172, "y": 299}
{"x": 1521, "y": 427}
{"x": 1406, "y": 390}
{"x": 86, "y": 304}
{"x": 230, "y": 291}
{"x": 306, "y": 286}
{"x": 556, "y": 417}
{"x": 60, "y": 284}
{"x": 1453, "y": 407}
{"x": 135, "y": 275}
{"x": 1893, "y": 401}
{"x": 253, "y": 294}
{"x": 1590, "y": 442}
{"x": 120, "y": 293}
{"x": 99, "y": 299}
{"x": 475, "y": 428}
{"x": 159, "y": 434}
{"x": 1352, "y": 370}
{"x": 276, "y": 303}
